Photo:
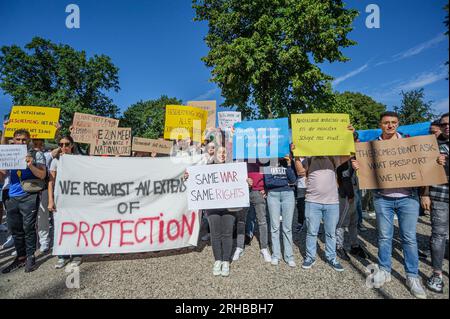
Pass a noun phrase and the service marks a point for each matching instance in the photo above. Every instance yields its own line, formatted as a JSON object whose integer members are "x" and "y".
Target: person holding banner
{"x": 405, "y": 203}
{"x": 280, "y": 182}
{"x": 221, "y": 225}
{"x": 435, "y": 199}
{"x": 23, "y": 203}
{"x": 66, "y": 146}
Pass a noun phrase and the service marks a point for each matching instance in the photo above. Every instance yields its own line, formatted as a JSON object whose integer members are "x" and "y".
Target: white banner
{"x": 227, "y": 119}
{"x": 218, "y": 186}
{"x": 13, "y": 156}
{"x": 111, "y": 205}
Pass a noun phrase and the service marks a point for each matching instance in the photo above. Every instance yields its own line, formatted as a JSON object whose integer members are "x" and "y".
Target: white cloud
{"x": 206, "y": 95}
{"x": 422, "y": 80}
{"x": 421, "y": 47}
{"x": 350, "y": 74}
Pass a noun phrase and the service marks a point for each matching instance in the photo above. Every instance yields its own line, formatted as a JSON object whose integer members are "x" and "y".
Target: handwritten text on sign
{"x": 322, "y": 134}
{"x": 111, "y": 141}
{"x": 85, "y": 125}
{"x": 13, "y": 156}
{"x": 406, "y": 162}
{"x": 40, "y": 122}
{"x": 121, "y": 205}
{"x": 184, "y": 122}
{"x": 228, "y": 118}
{"x": 152, "y": 146}
{"x": 218, "y": 186}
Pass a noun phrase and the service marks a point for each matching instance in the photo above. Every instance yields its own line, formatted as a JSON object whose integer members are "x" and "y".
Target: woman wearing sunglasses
{"x": 66, "y": 147}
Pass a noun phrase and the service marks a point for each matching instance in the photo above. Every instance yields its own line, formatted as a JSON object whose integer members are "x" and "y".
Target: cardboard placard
{"x": 84, "y": 126}
{"x": 152, "y": 146}
{"x": 209, "y": 106}
{"x": 406, "y": 162}
{"x": 39, "y": 121}
{"x": 322, "y": 134}
{"x": 111, "y": 141}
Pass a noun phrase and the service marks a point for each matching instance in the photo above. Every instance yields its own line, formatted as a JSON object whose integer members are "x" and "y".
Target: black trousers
{"x": 22, "y": 216}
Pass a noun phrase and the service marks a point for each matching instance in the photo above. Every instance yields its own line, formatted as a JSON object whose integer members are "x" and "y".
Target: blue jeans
{"x": 407, "y": 209}
{"x": 314, "y": 214}
{"x": 281, "y": 203}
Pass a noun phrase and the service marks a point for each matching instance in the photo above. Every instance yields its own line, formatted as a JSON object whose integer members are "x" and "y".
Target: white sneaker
{"x": 14, "y": 253}
{"x": 217, "y": 269}
{"x": 415, "y": 287}
{"x": 205, "y": 237}
{"x": 225, "y": 269}
{"x": 238, "y": 253}
{"x": 380, "y": 278}
{"x": 265, "y": 253}
{"x": 291, "y": 263}
{"x": 8, "y": 243}
{"x": 61, "y": 263}
{"x": 274, "y": 261}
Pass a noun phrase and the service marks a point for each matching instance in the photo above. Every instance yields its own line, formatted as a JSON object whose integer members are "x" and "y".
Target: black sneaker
{"x": 30, "y": 265}
{"x": 435, "y": 283}
{"x": 359, "y": 252}
{"x": 342, "y": 254}
{"x": 248, "y": 240}
{"x": 16, "y": 264}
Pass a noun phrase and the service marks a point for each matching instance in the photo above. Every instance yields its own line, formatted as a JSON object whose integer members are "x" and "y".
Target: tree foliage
{"x": 49, "y": 74}
{"x": 147, "y": 118}
{"x": 413, "y": 108}
{"x": 265, "y": 53}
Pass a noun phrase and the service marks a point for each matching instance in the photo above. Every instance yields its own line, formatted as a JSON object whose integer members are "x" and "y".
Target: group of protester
{"x": 321, "y": 188}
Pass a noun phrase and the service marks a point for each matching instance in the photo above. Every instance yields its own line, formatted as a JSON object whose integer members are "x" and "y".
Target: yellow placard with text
{"x": 184, "y": 122}
{"x": 39, "y": 121}
{"x": 322, "y": 134}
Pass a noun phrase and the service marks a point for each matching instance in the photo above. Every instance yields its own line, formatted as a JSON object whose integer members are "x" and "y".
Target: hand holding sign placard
{"x": 40, "y": 122}
{"x": 322, "y": 134}
{"x": 406, "y": 162}
{"x": 218, "y": 186}
{"x": 111, "y": 141}
{"x": 184, "y": 122}
{"x": 13, "y": 156}
{"x": 152, "y": 146}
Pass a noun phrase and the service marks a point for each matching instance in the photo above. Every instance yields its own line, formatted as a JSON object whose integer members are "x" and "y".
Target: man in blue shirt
{"x": 22, "y": 206}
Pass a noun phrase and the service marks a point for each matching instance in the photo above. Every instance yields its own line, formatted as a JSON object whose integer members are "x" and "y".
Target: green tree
{"x": 364, "y": 111}
{"x": 265, "y": 53}
{"x": 146, "y": 119}
{"x": 413, "y": 108}
{"x": 49, "y": 74}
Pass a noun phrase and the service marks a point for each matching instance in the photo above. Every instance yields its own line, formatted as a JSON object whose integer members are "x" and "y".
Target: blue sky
{"x": 157, "y": 47}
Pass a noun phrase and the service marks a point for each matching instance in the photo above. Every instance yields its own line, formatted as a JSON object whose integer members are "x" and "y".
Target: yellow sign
{"x": 209, "y": 106}
{"x": 322, "y": 134}
{"x": 184, "y": 122}
{"x": 39, "y": 121}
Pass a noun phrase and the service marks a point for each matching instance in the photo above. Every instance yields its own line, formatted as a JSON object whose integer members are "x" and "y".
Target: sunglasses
{"x": 64, "y": 144}
{"x": 444, "y": 124}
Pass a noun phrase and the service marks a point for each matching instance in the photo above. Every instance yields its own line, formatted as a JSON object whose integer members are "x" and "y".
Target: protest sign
{"x": 321, "y": 134}
{"x": 85, "y": 125}
{"x": 218, "y": 186}
{"x": 227, "y": 119}
{"x": 406, "y": 162}
{"x": 111, "y": 141}
{"x": 152, "y": 146}
{"x": 13, "y": 156}
{"x": 184, "y": 122}
{"x": 261, "y": 139}
{"x": 209, "y": 106}
{"x": 121, "y": 205}
{"x": 39, "y": 121}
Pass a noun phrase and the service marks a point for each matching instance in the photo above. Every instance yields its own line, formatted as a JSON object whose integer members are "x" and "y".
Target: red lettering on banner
{"x": 63, "y": 232}
{"x": 92, "y": 235}
{"x": 140, "y": 221}
{"x": 111, "y": 222}
{"x": 122, "y": 232}
{"x": 161, "y": 229}
{"x": 82, "y": 232}
{"x": 169, "y": 224}
{"x": 185, "y": 222}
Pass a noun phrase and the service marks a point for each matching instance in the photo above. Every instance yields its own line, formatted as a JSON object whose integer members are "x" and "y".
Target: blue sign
{"x": 411, "y": 130}
{"x": 261, "y": 139}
